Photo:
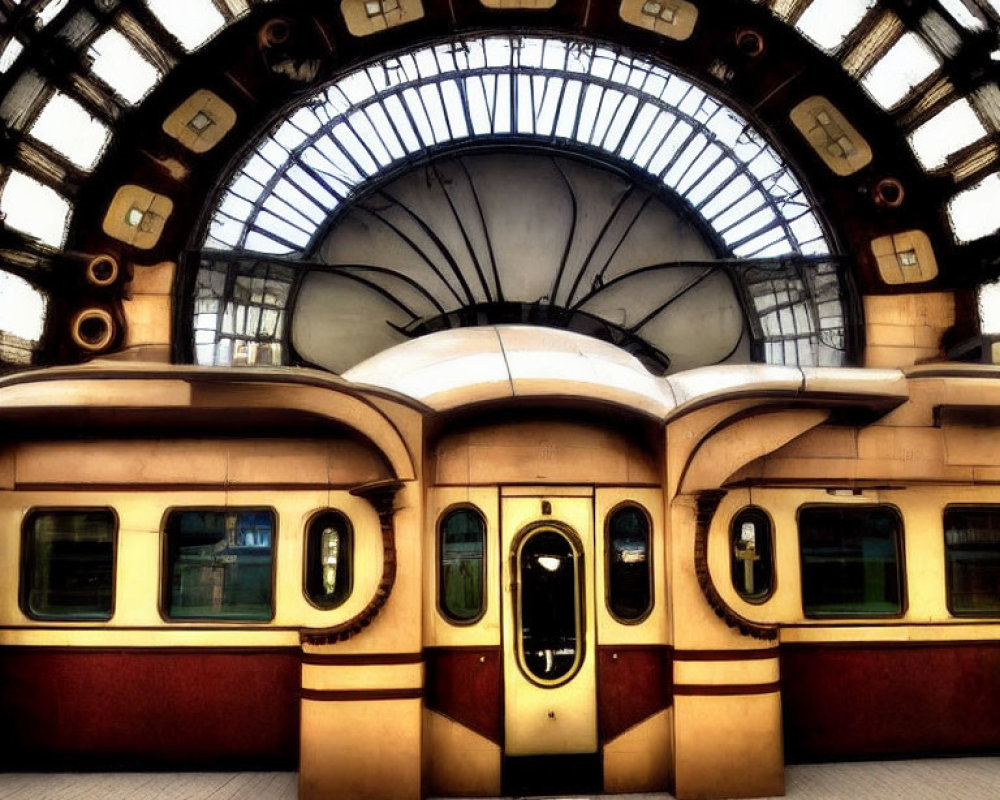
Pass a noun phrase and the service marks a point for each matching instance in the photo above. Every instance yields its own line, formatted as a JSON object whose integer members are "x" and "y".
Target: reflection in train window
{"x": 329, "y": 560}
{"x": 69, "y": 564}
{"x": 629, "y": 566}
{"x": 972, "y": 560}
{"x": 851, "y": 561}
{"x": 219, "y": 564}
{"x": 752, "y": 555}
{"x": 549, "y": 608}
{"x": 461, "y": 548}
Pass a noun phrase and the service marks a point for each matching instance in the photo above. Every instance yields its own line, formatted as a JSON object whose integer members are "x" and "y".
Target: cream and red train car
{"x": 534, "y": 578}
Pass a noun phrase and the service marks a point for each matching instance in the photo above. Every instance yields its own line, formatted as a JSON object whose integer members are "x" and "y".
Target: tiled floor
{"x": 932, "y": 779}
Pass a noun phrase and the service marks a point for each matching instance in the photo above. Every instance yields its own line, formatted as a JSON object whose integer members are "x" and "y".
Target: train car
{"x": 478, "y": 397}
{"x": 631, "y": 586}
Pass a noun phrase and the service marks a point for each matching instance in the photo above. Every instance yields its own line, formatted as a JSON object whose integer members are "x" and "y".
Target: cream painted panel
{"x": 715, "y": 673}
{"x": 290, "y": 601}
{"x": 99, "y": 393}
{"x": 723, "y": 453}
{"x": 946, "y": 632}
{"x": 751, "y": 764}
{"x": 438, "y": 631}
{"x": 459, "y": 762}
{"x": 397, "y": 628}
{"x": 641, "y": 759}
{"x": 655, "y": 628}
{"x": 383, "y": 732}
{"x": 333, "y": 677}
{"x": 695, "y": 624}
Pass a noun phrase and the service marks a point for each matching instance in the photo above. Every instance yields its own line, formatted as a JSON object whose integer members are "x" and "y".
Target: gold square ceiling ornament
{"x": 673, "y": 19}
{"x": 137, "y": 216}
{"x": 200, "y": 122}
{"x": 365, "y": 17}
{"x": 540, "y": 5}
{"x": 829, "y": 133}
{"x": 906, "y": 257}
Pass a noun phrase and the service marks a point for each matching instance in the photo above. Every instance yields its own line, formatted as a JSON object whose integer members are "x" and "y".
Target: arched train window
{"x": 461, "y": 565}
{"x": 752, "y": 555}
{"x": 629, "y": 566}
{"x": 329, "y": 560}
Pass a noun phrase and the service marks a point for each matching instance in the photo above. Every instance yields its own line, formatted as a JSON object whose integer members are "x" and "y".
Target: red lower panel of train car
{"x": 872, "y": 700}
{"x": 131, "y": 709}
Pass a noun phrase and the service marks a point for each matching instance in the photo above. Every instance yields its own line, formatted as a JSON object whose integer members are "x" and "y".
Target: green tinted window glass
{"x": 69, "y": 564}
{"x": 461, "y": 592}
{"x": 219, "y": 564}
{"x": 329, "y": 560}
{"x": 972, "y": 560}
{"x": 850, "y": 561}
{"x": 630, "y": 577}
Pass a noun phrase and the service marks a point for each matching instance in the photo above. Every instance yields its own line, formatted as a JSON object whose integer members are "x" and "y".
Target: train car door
{"x": 550, "y": 702}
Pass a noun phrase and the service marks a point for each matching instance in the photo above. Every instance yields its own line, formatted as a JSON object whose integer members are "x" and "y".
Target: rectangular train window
{"x": 69, "y": 564}
{"x": 851, "y": 561}
{"x": 219, "y": 564}
{"x": 972, "y": 560}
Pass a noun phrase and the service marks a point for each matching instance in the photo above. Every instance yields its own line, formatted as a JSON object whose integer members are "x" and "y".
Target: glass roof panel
{"x": 946, "y": 133}
{"x": 829, "y": 22}
{"x": 9, "y": 54}
{"x": 22, "y": 310}
{"x": 116, "y": 62}
{"x": 50, "y": 11}
{"x": 193, "y": 22}
{"x": 963, "y": 16}
{"x": 989, "y": 308}
{"x": 975, "y": 212}
{"x": 34, "y": 209}
{"x": 66, "y": 126}
{"x": 907, "y": 64}
{"x": 616, "y": 104}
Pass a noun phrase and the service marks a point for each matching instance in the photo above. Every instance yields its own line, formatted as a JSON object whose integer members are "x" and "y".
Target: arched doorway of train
{"x": 549, "y": 660}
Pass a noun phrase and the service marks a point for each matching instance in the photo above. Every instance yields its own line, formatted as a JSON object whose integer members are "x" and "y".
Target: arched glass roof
{"x": 76, "y": 75}
{"x": 554, "y": 91}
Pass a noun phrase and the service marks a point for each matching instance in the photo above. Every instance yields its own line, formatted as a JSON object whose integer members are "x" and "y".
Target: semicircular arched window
{"x": 461, "y": 565}
{"x": 408, "y": 197}
{"x": 629, "y": 565}
{"x": 752, "y": 554}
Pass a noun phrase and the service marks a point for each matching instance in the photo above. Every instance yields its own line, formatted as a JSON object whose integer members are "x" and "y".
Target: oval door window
{"x": 549, "y": 608}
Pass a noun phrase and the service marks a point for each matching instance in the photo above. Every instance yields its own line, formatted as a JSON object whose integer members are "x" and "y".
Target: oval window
{"x": 549, "y": 608}
{"x": 462, "y": 548}
{"x": 629, "y": 566}
{"x": 752, "y": 559}
{"x": 329, "y": 560}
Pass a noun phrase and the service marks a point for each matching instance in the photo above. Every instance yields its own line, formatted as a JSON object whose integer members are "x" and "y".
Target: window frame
{"x": 901, "y": 567}
{"x": 23, "y": 591}
{"x": 580, "y": 596}
{"x": 307, "y": 556}
{"x": 166, "y": 573}
{"x": 439, "y": 554}
{"x": 650, "y": 569}
{"x": 757, "y": 601}
{"x": 947, "y": 584}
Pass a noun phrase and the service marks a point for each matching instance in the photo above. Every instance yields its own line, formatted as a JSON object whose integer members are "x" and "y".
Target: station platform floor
{"x": 926, "y": 779}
